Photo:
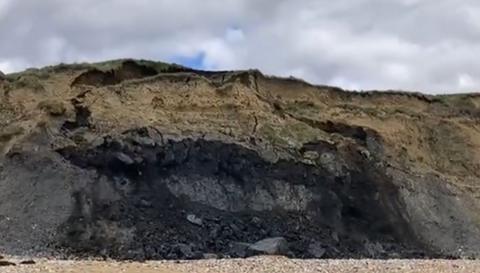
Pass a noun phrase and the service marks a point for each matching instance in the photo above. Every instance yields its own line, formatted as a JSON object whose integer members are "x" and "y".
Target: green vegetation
{"x": 28, "y": 80}
{"x": 454, "y": 99}
{"x": 43, "y": 73}
{"x": 293, "y": 133}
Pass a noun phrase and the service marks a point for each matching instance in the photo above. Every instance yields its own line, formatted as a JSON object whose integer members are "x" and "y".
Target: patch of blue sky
{"x": 196, "y": 61}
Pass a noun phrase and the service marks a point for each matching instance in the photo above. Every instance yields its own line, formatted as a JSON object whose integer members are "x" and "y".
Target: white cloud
{"x": 4, "y": 6}
{"x": 419, "y": 45}
{"x": 6, "y": 67}
{"x": 234, "y": 35}
{"x": 9, "y": 66}
{"x": 465, "y": 81}
{"x": 397, "y": 72}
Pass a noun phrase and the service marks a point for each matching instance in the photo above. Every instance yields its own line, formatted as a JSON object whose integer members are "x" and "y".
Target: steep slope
{"x": 143, "y": 160}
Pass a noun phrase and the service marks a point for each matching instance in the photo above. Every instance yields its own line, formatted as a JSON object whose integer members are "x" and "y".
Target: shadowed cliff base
{"x": 182, "y": 199}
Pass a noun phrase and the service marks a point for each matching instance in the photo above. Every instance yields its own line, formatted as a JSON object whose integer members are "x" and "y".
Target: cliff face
{"x": 143, "y": 160}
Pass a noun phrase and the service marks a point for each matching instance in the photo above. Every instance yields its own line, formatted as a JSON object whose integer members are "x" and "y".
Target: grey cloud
{"x": 419, "y": 45}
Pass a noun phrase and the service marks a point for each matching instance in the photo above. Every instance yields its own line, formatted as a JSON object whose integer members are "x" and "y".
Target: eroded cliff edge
{"x": 143, "y": 160}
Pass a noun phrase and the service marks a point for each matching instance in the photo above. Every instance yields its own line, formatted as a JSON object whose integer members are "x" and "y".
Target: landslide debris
{"x": 140, "y": 160}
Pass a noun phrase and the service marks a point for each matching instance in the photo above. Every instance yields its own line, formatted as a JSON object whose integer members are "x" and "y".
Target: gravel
{"x": 257, "y": 264}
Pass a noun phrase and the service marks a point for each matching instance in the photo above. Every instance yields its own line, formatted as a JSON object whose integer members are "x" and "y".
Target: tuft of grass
{"x": 28, "y": 81}
{"x": 459, "y": 104}
{"x": 453, "y": 99}
{"x": 160, "y": 67}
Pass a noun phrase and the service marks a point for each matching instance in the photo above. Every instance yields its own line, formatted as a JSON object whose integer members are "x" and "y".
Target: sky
{"x": 431, "y": 46}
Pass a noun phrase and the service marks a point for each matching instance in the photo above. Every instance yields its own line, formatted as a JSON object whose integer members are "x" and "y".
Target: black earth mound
{"x": 182, "y": 199}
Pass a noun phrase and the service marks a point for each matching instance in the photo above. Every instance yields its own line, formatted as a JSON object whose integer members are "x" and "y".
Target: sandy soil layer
{"x": 258, "y": 264}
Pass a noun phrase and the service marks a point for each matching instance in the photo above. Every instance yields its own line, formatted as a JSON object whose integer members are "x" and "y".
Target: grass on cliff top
{"x": 43, "y": 73}
{"x": 455, "y": 98}
{"x": 114, "y": 64}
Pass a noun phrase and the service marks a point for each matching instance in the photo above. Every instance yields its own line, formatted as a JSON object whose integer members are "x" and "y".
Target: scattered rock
{"x": 235, "y": 228}
{"x": 144, "y": 141}
{"x": 97, "y": 142}
{"x": 27, "y": 262}
{"x": 271, "y": 246}
{"x": 316, "y": 250}
{"x": 374, "y": 249}
{"x": 256, "y": 220}
{"x": 311, "y": 155}
{"x": 145, "y": 203}
{"x": 239, "y": 249}
{"x": 192, "y": 218}
{"x": 187, "y": 251}
{"x": 124, "y": 158}
{"x": 6, "y": 263}
{"x": 210, "y": 256}
{"x": 335, "y": 236}
{"x": 365, "y": 153}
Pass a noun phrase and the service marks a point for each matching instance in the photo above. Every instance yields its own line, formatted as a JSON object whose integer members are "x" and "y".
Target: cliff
{"x": 144, "y": 160}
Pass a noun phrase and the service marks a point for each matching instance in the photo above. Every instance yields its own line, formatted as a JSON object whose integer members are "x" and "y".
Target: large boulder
{"x": 270, "y": 246}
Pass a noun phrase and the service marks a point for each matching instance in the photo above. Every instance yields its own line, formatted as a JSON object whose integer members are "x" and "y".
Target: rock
{"x": 239, "y": 249}
{"x": 145, "y": 204}
{"x": 365, "y": 153}
{"x": 335, "y": 236}
{"x": 214, "y": 232}
{"x": 316, "y": 250}
{"x": 235, "y": 228}
{"x": 210, "y": 256}
{"x": 27, "y": 262}
{"x": 2, "y": 76}
{"x": 97, "y": 142}
{"x": 374, "y": 249}
{"x": 270, "y": 246}
{"x": 124, "y": 158}
{"x": 311, "y": 155}
{"x": 144, "y": 141}
{"x": 192, "y": 218}
{"x": 256, "y": 220}
{"x": 187, "y": 251}
{"x": 6, "y": 263}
